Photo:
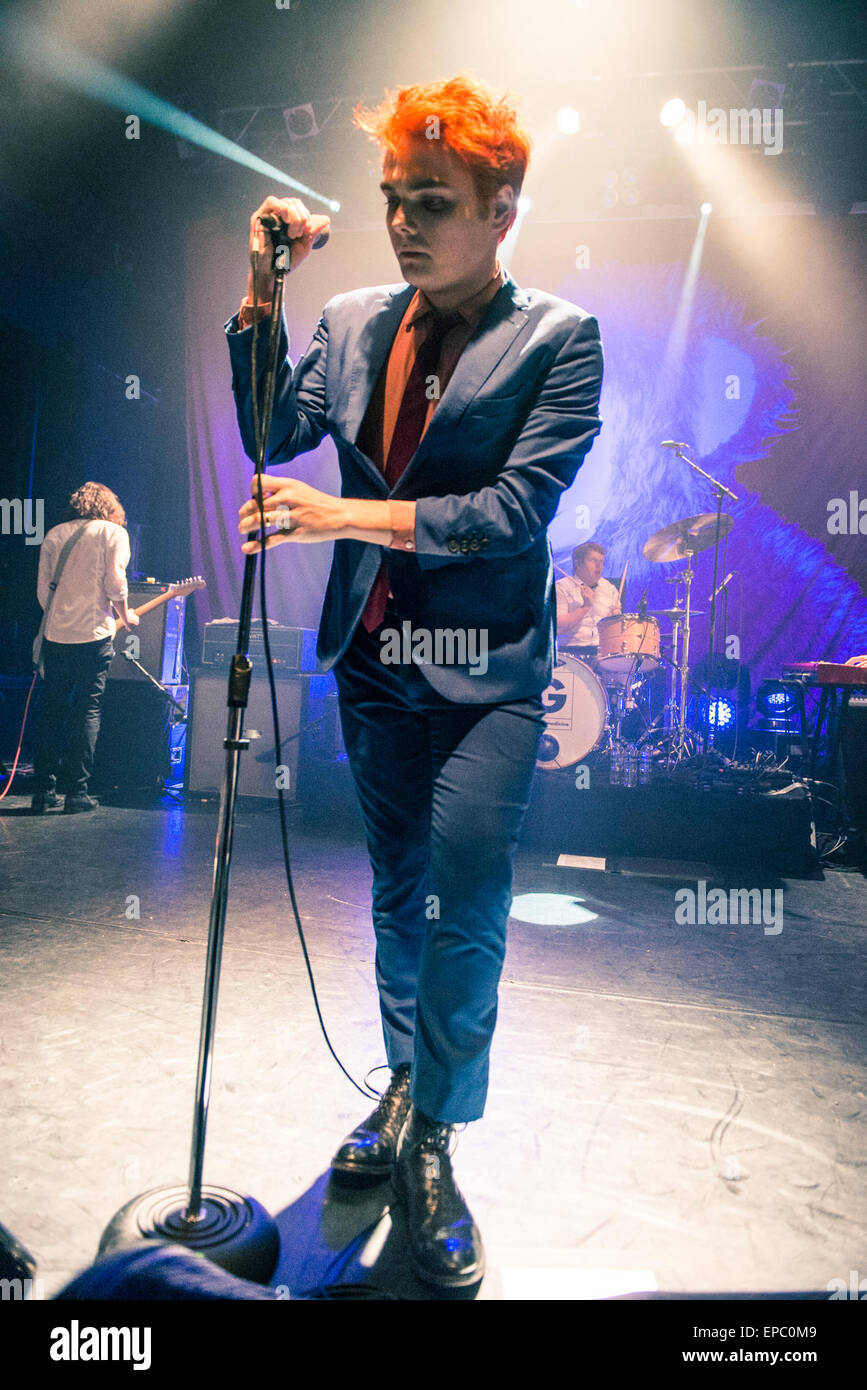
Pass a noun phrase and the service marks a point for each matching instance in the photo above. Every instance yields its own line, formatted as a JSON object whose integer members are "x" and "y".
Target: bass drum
{"x": 575, "y": 710}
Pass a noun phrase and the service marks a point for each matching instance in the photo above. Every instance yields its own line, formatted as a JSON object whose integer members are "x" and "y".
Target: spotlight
{"x": 300, "y": 122}
{"x": 621, "y": 187}
{"x": 722, "y": 714}
{"x": 706, "y": 209}
{"x": 783, "y": 718}
{"x": 673, "y": 112}
{"x": 630, "y": 194}
{"x": 568, "y": 120}
{"x": 765, "y": 94}
{"x": 776, "y": 699}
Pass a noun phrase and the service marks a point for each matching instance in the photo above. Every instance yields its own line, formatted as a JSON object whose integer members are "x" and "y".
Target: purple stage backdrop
{"x": 766, "y": 388}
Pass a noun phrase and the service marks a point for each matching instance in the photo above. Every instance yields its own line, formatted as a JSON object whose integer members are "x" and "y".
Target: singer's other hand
{"x": 294, "y": 511}
{"x": 302, "y": 226}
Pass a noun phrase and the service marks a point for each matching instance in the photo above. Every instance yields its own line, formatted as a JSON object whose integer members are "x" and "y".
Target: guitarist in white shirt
{"x": 78, "y": 640}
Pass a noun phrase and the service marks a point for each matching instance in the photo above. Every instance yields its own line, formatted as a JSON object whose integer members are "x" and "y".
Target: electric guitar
{"x": 179, "y": 590}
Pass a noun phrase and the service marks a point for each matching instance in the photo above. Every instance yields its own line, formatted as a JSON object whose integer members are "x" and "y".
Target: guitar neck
{"x": 181, "y": 590}
{"x": 153, "y": 603}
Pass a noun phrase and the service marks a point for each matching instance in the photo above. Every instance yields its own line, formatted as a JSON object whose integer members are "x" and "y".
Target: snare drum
{"x": 575, "y": 710}
{"x": 627, "y": 644}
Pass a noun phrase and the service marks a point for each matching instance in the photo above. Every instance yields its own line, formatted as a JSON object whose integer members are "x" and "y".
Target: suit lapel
{"x": 373, "y": 346}
{"x": 502, "y": 320}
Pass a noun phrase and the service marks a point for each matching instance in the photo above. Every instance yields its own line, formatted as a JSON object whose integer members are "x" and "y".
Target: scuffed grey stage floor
{"x": 671, "y": 1107}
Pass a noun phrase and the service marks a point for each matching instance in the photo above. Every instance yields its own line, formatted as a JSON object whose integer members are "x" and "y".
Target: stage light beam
{"x": 676, "y": 346}
{"x": 36, "y": 51}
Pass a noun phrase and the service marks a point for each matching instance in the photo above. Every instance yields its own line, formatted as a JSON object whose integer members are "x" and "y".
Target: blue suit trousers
{"x": 443, "y": 789}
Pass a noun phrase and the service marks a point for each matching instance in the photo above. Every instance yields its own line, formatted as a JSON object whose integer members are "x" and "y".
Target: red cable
{"x": 20, "y": 738}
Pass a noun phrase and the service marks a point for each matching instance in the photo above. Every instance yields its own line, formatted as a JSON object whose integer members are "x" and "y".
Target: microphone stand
{"x": 234, "y": 1231}
{"x": 720, "y": 490}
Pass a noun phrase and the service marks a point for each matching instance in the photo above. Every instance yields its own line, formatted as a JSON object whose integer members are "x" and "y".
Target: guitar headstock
{"x": 186, "y": 586}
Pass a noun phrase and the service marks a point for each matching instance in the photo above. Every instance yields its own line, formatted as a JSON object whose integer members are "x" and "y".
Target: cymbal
{"x": 675, "y": 613}
{"x": 685, "y": 537}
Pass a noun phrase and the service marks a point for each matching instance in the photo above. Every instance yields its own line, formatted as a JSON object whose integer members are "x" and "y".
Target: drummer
{"x": 582, "y": 600}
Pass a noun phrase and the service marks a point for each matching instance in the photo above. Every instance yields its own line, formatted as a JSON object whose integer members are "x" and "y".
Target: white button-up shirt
{"x": 93, "y": 576}
{"x": 606, "y": 601}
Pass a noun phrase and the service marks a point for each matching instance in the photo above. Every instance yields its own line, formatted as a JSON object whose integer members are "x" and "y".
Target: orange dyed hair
{"x": 480, "y": 127}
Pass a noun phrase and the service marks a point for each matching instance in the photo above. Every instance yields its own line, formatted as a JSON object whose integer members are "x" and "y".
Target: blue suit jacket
{"x": 505, "y": 441}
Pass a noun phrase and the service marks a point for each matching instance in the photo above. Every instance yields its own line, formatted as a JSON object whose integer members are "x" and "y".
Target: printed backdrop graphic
{"x": 768, "y": 404}
{"x": 732, "y": 398}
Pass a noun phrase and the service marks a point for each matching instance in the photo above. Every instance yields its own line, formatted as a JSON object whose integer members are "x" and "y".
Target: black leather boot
{"x": 371, "y": 1148}
{"x": 445, "y": 1241}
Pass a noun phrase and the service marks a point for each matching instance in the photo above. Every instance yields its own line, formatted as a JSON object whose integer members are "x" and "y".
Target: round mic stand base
{"x": 232, "y": 1231}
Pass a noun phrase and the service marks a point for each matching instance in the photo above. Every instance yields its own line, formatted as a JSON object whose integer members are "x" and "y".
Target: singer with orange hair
{"x": 461, "y": 406}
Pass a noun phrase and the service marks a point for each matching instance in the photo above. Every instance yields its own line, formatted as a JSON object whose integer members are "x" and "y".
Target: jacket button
{"x": 486, "y": 540}
{"x": 453, "y": 545}
{"x": 474, "y": 544}
{"x": 465, "y": 545}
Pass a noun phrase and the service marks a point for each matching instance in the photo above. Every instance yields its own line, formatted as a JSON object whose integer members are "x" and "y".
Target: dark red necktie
{"x": 408, "y": 429}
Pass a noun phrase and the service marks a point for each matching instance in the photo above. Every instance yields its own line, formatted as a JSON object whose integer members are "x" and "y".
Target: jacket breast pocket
{"x": 483, "y": 407}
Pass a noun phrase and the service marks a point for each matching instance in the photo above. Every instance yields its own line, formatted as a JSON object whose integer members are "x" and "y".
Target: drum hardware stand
{"x": 669, "y": 711}
{"x": 720, "y": 490}
{"x": 234, "y": 1231}
{"x": 667, "y": 717}
{"x": 622, "y": 702}
{"x": 680, "y": 745}
{"x": 679, "y": 690}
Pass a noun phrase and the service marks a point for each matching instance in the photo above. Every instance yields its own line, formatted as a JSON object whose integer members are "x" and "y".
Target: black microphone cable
{"x": 365, "y": 1089}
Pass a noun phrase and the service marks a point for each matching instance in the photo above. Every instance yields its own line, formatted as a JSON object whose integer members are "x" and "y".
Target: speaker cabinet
{"x": 133, "y": 749}
{"x": 206, "y": 755}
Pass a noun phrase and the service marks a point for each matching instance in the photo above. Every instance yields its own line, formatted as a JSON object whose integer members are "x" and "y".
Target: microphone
{"x": 673, "y": 444}
{"x": 276, "y": 228}
{"x": 642, "y": 606}
{"x": 716, "y": 593}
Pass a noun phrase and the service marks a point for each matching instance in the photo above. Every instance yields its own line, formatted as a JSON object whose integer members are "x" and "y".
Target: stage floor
{"x": 672, "y": 1107}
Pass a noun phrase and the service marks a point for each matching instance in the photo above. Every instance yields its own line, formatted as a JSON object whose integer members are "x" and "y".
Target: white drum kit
{"x": 575, "y": 712}
{"x": 589, "y": 697}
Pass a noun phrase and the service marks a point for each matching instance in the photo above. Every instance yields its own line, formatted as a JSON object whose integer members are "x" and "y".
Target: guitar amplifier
{"x": 206, "y": 757}
{"x": 292, "y": 648}
{"x": 136, "y": 737}
{"x": 157, "y": 642}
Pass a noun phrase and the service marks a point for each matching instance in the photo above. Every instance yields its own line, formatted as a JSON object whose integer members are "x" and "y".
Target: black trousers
{"x": 75, "y": 676}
